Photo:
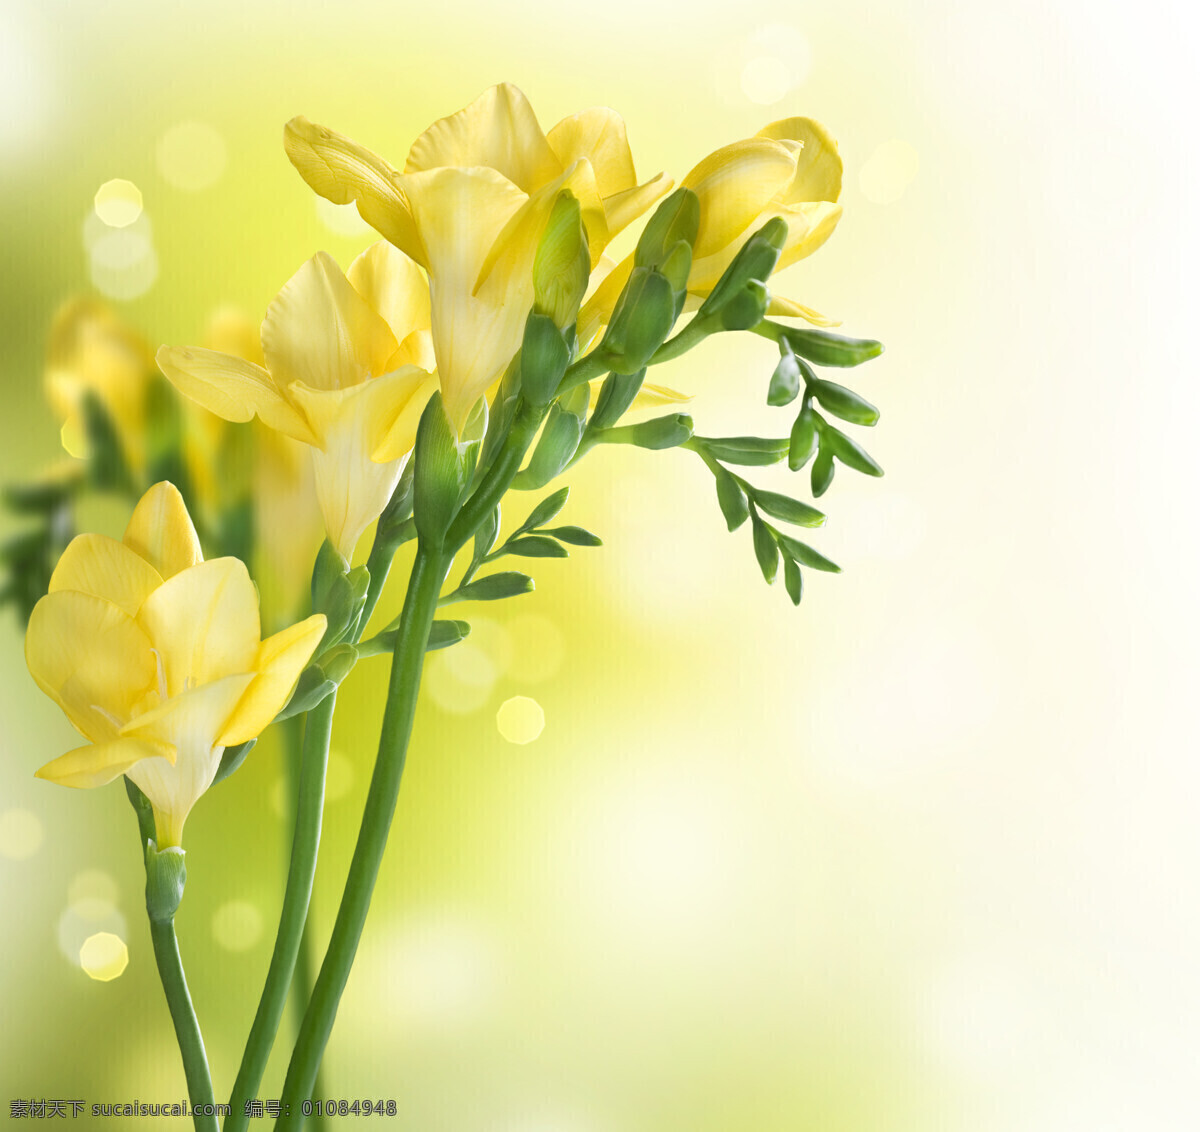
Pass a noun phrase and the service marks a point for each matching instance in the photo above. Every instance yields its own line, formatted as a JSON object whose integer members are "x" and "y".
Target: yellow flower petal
{"x": 809, "y": 226}
{"x": 818, "y": 173}
{"x": 789, "y": 308}
{"x": 204, "y": 623}
{"x": 599, "y": 135}
{"x": 161, "y": 531}
{"x": 461, "y": 212}
{"x": 101, "y": 566}
{"x": 598, "y": 309}
{"x": 735, "y": 184}
{"x": 232, "y": 388}
{"x": 405, "y": 415}
{"x": 98, "y": 764}
{"x": 650, "y": 396}
{"x": 498, "y": 130}
{"x": 280, "y": 661}
{"x": 353, "y": 488}
{"x": 320, "y": 332}
{"x": 393, "y": 286}
{"x": 624, "y": 208}
{"x": 91, "y": 658}
{"x": 343, "y": 171}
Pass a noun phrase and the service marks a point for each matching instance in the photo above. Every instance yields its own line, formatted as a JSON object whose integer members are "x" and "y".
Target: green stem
{"x": 294, "y": 915}
{"x": 428, "y": 573}
{"x": 379, "y": 564}
{"x": 183, "y": 1015}
{"x": 691, "y": 335}
{"x": 585, "y": 369}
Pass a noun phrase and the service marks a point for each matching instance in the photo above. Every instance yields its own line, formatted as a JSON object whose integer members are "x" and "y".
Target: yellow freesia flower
{"x": 346, "y": 372}
{"x": 156, "y": 658}
{"x": 790, "y": 169}
{"x": 471, "y": 206}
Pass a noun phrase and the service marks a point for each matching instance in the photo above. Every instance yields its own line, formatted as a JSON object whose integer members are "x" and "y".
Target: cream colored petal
{"x": 342, "y": 171}
{"x": 648, "y": 397}
{"x": 393, "y": 286}
{"x": 204, "y": 623}
{"x": 320, "y": 332}
{"x": 161, "y": 531}
{"x": 234, "y": 389}
{"x": 281, "y": 659}
{"x": 735, "y": 184}
{"x": 624, "y": 208}
{"x": 101, "y": 566}
{"x": 98, "y": 764}
{"x": 789, "y": 308}
{"x": 599, "y": 135}
{"x": 91, "y": 658}
{"x": 352, "y": 488}
{"x": 500, "y": 131}
{"x": 809, "y": 226}
{"x": 819, "y": 166}
{"x": 401, "y": 415}
{"x": 461, "y": 213}
{"x": 598, "y": 309}
{"x": 192, "y": 723}
{"x": 415, "y": 350}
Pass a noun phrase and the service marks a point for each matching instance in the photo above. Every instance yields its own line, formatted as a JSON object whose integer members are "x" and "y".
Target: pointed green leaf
{"x": 765, "y": 549}
{"x": 787, "y": 509}
{"x": 849, "y": 451}
{"x": 825, "y": 349}
{"x": 576, "y": 536}
{"x": 443, "y": 634}
{"x": 232, "y": 758}
{"x": 732, "y": 499}
{"x": 844, "y": 403}
{"x": 495, "y": 587}
{"x": 822, "y": 471}
{"x": 806, "y": 556}
{"x": 535, "y": 546}
{"x": 803, "y": 441}
{"x": 745, "y": 450}
{"x": 785, "y": 381}
{"x": 792, "y": 581}
{"x": 545, "y": 511}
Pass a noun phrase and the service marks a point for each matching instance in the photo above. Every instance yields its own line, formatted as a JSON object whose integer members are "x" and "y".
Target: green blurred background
{"x": 919, "y": 855}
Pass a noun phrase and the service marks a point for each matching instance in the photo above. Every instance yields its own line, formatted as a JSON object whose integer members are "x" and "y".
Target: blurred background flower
{"x": 913, "y": 856}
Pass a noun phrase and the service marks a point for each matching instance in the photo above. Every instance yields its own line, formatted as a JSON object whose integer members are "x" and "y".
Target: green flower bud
{"x": 754, "y": 262}
{"x": 441, "y": 473}
{"x": 166, "y": 874}
{"x": 544, "y": 358}
{"x": 641, "y": 322}
{"x": 562, "y": 264}
{"x": 676, "y": 220}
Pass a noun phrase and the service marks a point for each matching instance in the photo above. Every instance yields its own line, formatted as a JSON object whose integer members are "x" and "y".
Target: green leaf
{"x": 576, "y": 536}
{"x": 806, "y": 556}
{"x": 787, "y": 509}
{"x": 732, "y": 499}
{"x": 443, "y": 634}
{"x": 825, "y": 349}
{"x": 441, "y": 473}
{"x": 42, "y": 496}
{"x": 616, "y": 395}
{"x": 785, "y": 381}
{"x": 107, "y": 467}
{"x": 545, "y": 511}
{"x": 393, "y": 522}
{"x": 495, "y": 587}
{"x": 822, "y": 471}
{"x": 535, "y": 546}
{"x": 803, "y": 441}
{"x": 792, "y": 581}
{"x": 311, "y": 689}
{"x": 544, "y": 358}
{"x": 765, "y": 549}
{"x": 844, "y": 403}
{"x": 231, "y": 759}
{"x": 849, "y": 451}
{"x": 745, "y": 450}
{"x": 485, "y": 537}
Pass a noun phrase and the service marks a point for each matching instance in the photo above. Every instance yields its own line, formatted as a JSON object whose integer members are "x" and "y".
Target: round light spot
{"x": 888, "y": 172}
{"x": 123, "y": 264}
{"x": 521, "y": 719}
{"x": 538, "y": 648}
{"x": 237, "y": 926}
{"x": 341, "y": 219}
{"x": 118, "y": 203}
{"x": 85, "y": 917}
{"x": 93, "y": 884}
{"x": 95, "y": 230}
{"x": 191, "y": 156}
{"x": 21, "y": 834}
{"x": 441, "y": 971}
{"x": 104, "y": 956}
{"x": 766, "y": 79}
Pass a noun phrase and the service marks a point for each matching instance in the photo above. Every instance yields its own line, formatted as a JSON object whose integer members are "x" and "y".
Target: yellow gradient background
{"x": 919, "y": 855}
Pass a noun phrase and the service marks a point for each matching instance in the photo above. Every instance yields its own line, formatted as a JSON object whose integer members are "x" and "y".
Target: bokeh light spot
{"x": 83, "y": 918}
{"x": 104, "y": 956}
{"x": 766, "y": 79}
{"x": 341, "y": 219}
{"x": 92, "y": 884}
{"x": 888, "y": 172}
{"x": 521, "y": 719}
{"x": 123, "y": 264}
{"x": 766, "y": 66}
{"x": 21, "y": 834}
{"x": 118, "y": 203}
{"x": 441, "y": 970}
{"x": 237, "y": 925}
{"x": 191, "y": 156}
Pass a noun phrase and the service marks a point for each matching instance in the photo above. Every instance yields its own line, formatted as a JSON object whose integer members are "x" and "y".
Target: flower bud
{"x": 562, "y": 263}
{"x": 166, "y": 874}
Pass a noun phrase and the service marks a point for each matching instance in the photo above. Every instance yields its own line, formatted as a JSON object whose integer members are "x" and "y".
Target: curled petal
{"x": 204, "y": 623}
{"x": 161, "y": 531}
{"x": 789, "y": 308}
{"x": 319, "y": 331}
{"x": 809, "y": 226}
{"x": 392, "y": 285}
{"x": 232, "y": 388}
{"x": 101, "y": 566}
{"x": 625, "y": 207}
{"x": 599, "y": 135}
{"x": 500, "y": 131}
{"x": 281, "y": 659}
{"x": 98, "y": 764}
{"x": 342, "y": 171}
{"x": 818, "y": 173}
{"x": 91, "y": 658}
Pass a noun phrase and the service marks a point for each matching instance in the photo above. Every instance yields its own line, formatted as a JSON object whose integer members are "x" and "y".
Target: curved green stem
{"x": 428, "y": 574}
{"x": 294, "y": 914}
{"x": 183, "y": 1015}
